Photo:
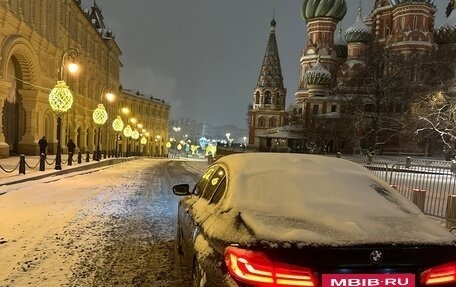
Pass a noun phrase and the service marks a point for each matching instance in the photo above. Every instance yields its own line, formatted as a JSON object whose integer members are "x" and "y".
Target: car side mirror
{"x": 181, "y": 189}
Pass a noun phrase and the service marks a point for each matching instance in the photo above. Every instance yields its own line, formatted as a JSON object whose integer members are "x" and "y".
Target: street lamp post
{"x": 100, "y": 116}
{"x": 127, "y": 133}
{"x": 135, "y": 136}
{"x": 118, "y": 126}
{"x": 61, "y": 99}
{"x": 228, "y": 138}
{"x": 143, "y": 143}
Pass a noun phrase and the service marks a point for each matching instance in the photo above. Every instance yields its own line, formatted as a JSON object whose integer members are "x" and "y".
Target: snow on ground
{"x": 72, "y": 230}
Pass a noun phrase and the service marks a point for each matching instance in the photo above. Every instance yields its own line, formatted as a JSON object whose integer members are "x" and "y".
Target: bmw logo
{"x": 376, "y": 256}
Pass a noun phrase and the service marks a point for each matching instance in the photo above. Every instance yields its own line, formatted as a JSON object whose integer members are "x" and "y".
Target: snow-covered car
{"x": 271, "y": 219}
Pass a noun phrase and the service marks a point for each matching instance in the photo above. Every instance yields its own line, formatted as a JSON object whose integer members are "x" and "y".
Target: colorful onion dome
{"x": 340, "y": 46}
{"x": 399, "y": 2}
{"x": 358, "y": 32}
{"x": 318, "y": 75}
{"x": 446, "y": 33}
{"x": 323, "y": 8}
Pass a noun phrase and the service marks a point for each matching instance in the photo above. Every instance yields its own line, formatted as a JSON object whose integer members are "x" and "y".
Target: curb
{"x": 41, "y": 174}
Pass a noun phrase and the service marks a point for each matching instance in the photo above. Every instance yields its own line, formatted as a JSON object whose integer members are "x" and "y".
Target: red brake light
{"x": 442, "y": 274}
{"x": 256, "y": 268}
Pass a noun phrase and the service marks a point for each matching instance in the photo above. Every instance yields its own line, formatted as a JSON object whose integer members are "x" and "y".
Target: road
{"x": 111, "y": 226}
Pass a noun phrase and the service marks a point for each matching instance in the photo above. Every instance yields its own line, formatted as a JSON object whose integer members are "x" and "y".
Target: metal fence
{"x": 429, "y": 183}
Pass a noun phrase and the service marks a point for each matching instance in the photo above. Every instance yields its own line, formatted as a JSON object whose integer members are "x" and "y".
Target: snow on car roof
{"x": 340, "y": 201}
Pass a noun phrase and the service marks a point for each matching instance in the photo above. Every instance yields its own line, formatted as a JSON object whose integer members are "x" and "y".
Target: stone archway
{"x": 13, "y": 113}
{"x": 19, "y": 112}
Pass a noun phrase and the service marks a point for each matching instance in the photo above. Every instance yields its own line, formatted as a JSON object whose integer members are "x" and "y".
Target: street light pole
{"x": 118, "y": 126}
{"x": 127, "y": 133}
{"x": 61, "y": 99}
{"x": 100, "y": 116}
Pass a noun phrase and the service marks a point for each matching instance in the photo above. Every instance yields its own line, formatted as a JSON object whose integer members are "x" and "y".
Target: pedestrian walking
{"x": 43, "y": 145}
{"x": 71, "y": 148}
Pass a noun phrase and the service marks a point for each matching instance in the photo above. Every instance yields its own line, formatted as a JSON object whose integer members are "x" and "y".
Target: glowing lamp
{"x": 134, "y": 134}
{"x": 125, "y": 111}
{"x": 110, "y": 97}
{"x": 143, "y": 140}
{"x": 60, "y": 98}
{"x": 168, "y": 144}
{"x": 73, "y": 68}
{"x": 127, "y": 131}
{"x": 100, "y": 116}
{"x": 179, "y": 146}
{"x": 118, "y": 124}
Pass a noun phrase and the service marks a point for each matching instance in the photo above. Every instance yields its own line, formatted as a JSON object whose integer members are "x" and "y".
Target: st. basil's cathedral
{"x": 333, "y": 71}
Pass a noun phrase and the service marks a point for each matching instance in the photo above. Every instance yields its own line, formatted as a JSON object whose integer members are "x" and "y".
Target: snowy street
{"x": 110, "y": 226}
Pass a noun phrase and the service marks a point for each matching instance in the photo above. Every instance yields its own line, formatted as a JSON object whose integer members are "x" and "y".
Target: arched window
{"x": 267, "y": 98}
{"x": 272, "y": 122}
{"x": 261, "y": 122}
{"x": 257, "y": 98}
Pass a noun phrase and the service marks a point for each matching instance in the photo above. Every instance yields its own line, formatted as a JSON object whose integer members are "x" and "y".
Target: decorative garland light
{"x": 100, "y": 116}
{"x": 118, "y": 124}
{"x": 135, "y": 135}
{"x": 60, "y": 98}
{"x": 143, "y": 140}
{"x": 127, "y": 131}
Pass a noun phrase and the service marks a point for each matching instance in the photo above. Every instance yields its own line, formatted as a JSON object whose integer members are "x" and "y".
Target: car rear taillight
{"x": 443, "y": 274}
{"x": 257, "y": 269}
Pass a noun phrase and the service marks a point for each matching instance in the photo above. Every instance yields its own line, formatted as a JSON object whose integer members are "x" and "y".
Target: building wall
{"x": 35, "y": 37}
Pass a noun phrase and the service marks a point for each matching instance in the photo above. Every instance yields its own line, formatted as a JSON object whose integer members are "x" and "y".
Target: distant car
{"x": 271, "y": 219}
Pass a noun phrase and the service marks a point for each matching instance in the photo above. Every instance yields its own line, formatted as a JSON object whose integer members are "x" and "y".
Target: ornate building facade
{"x": 36, "y": 37}
{"x": 332, "y": 62}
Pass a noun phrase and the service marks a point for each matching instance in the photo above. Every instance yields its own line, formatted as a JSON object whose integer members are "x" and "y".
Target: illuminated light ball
{"x": 100, "y": 116}
{"x": 135, "y": 135}
{"x": 60, "y": 98}
{"x": 118, "y": 124}
{"x": 168, "y": 144}
{"x": 127, "y": 131}
{"x": 143, "y": 140}
{"x": 179, "y": 146}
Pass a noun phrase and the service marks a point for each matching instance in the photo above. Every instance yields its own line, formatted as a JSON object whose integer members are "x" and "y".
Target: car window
{"x": 213, "y": 183}
{"x": 201, "y": 184}
{"x": 219, "y": 192}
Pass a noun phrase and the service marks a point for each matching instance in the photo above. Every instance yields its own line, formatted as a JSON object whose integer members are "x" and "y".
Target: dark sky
{"x": 204, "y": 56}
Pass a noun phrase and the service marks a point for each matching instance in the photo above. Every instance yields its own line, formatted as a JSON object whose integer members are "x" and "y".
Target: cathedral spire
{"x": 271, "y": 71}
{"x": 268, "y": 107}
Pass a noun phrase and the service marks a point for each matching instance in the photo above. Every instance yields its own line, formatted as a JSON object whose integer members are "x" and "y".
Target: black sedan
{"x": 264, "y": 219}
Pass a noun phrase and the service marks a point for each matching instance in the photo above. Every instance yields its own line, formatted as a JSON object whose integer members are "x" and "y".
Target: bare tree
{"x": 376, "y": 96}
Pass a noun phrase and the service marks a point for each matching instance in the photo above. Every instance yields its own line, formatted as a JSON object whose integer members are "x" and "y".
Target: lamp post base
{"x": 98, "y": 153}
{"x": 58, "y": 154}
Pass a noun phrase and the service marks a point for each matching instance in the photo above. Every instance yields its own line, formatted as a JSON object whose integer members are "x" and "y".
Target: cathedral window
{"x": 333, "y": 108}
{"x": 315, "y": 109}
{"x": 272, "y": 123}
{"x": 261, "y": 122}
{"x": 267, "y": 98}
{"x": 257, "y": 98}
